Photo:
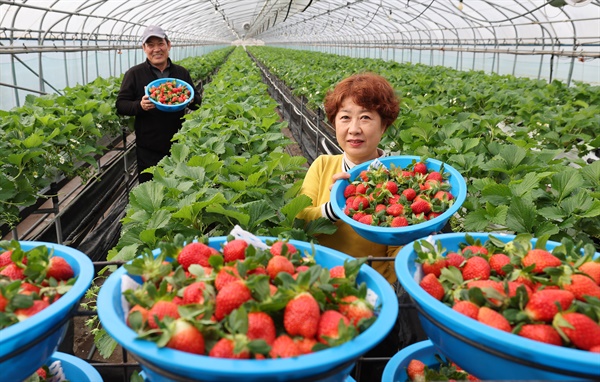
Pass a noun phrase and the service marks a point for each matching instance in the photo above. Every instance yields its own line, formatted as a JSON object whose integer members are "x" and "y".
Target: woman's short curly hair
{"x": 369, "y": 90}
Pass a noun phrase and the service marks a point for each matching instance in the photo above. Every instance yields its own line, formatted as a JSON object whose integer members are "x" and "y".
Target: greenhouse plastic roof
{"x": 563, "y": 27}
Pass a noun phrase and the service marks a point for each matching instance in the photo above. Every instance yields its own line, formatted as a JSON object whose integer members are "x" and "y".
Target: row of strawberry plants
{"x": 51, "y": 136}
{"x": 519, "y": 143}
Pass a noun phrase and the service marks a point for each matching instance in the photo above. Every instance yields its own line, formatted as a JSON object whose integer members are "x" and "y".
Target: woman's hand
{"x": 338, "y": 176}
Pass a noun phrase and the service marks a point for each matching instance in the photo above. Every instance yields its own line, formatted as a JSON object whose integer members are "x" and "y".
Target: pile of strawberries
{"x": 243, "y": 302}
{"x": 169, "y": 93}
{"x": 30, "y": 281}
{"x": 445, "y": 370}
{"x": 397, "y": 197}
{"x": 551, "y": 297}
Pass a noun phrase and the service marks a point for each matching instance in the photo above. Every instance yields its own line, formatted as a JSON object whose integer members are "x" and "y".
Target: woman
{"x": 360, "y": 108}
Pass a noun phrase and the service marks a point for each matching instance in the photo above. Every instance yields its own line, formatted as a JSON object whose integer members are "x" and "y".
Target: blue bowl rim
{"x": 77, "y": 362}
{"x": 188, "y": 363}
{"x": 392, "y": 366}
{"x": 63, "y": 305}
{"x": 425, "y": 303}
{"x": 162, "y": 80}
{"x": 459, "y": 197}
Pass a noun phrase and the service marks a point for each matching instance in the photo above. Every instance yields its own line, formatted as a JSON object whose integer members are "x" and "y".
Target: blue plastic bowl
{"x": 395, "y": 369}
{"x": 331, "y": 365}
{"x": 400, "y": 235}
{"x": 26, "y": 346}
{"x": 75, "y": 369}
{"x": 481, "y": 350}
{"x": 170, "y": 108}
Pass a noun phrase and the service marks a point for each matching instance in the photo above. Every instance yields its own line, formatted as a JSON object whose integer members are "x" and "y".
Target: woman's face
{"x": 358, "y": 131}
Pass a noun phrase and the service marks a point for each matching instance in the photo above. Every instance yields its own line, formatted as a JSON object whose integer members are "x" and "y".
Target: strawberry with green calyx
{"x": 284, "y": 347}
{"x": 231, "y": 297}
{"x": 283, "y": 248}
{"x": 433, "y": 286}
{"x": 278, "y": 264}
{"x": 455, "y": 260}
{"x": 493, "y": 318}
{"x": 431, "y": 256}
{"x": 301, "y": 316}
{"x": 160, "y": 310}
{"x": 416, "y": 371}
{"x": 577, "y": 329}
{"x": 181, "y": 334}
{"x": 546, "y": 303}
{"x": 581, "y": 285}
{"x": 467, "y": 308}
{"x": 356, "y": 309}
{"x": 151, "y": 269}
{"x": 194, "y": 253}
{"x": 445, "y": 370}
{"x": 539, "y": 332}
{"x": 472, "y": 246}
{"x": 420, "y": 205}
{"x": 234, "y": 250}
{"x": 540, "y": 259}
{"x": 592, "y": 269}
{"x": 137, "y": 318}
{"x": 334, "y": 328}
{"x": 37, "y": 306}
{"x": 498, "y": 263}
{"x": 476, "y": 268}
{"x": 226, "y": 348}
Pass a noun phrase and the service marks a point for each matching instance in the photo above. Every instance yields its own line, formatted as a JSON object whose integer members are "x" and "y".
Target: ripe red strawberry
{"x": 3, "y": 302}
{"x": 337, "y": 271}
{"x": 434, "y": 265}
{"x": 279, "y": 264}
{"x": 454, "y": 259}
{"x": 444, "y": 196}
{"x": 59, "y": 268}
{"x": 234, "y": 250}
{"x": 25, "y": 313}
{"x": 5, "y": 258}
{"x": 194, "y": 253}
{"x": 360, "y": 203}
{"x": 380, "y": 207}
{"x": 143, "y": 311}
{"x": 284, "y": 347}
{"x": 13, "y": 272}
{"x": 420, "y": 168}
{"x": 367, "y": 219}
{"x": 185, "y": 337}
{"x": 225, "y": 348}
{"x": 231, "y": 297}
{"x": 399, "y": 221}
{"x": 476, "y": 267}
{"x": 41, "y": 373}
{"x": 435, "y": 175}
{"x": 328, "y": 328}
{"x": 494, "y": 319}
{"x": 582, "y": 286}
{"x": 416, "y": 371}
{"x": 475, "y": 250}
{"x": 226, "y": 275}
{"x": 433, "y": 286}
{"x": 592, "y": 269}
{"x": 305, "y": 345}
{"x": 467, "y": 308}
{"x": 395, "y": 209}
{"x": 364, "y": 175}
{"x": 261, "y": 326}
{"x": 355, "y": 309}
{"x": 420, "y": 205}
{"x": 194, "y": 293}
{"x": 301, "y": 316}
{"x": 541, "y": 258}
{"x": 161, "y": 309}
{"x": 497, "y": 261}
{"x": 361, "y": 189}
{"x": 410, "y": 194}
{"x": 358, "y": 215}
{"x": 391, "y": 186}
{"x": 277, "y": 248}
{"x": 349, "y": 191}
{"x": 542, "y": 333}
{"x": 579, "y": 329}
{"x": 542, "y": 303}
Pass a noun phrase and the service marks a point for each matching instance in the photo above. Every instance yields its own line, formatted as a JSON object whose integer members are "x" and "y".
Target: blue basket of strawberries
{"x": 508, "y": 307}
{"x": 40, "y": 286}
{"x": 170, "y": 94}
{"x": 395, "y": 200}
{"x": 230, "y": 309}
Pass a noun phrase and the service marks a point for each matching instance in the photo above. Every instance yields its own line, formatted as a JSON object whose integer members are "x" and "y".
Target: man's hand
{"x": 146, "y": 104}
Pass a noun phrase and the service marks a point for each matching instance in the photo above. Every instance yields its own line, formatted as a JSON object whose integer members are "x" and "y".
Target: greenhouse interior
{"x": 299, "y": 190}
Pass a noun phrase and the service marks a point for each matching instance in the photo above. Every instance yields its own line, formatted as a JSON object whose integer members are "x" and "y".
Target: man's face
{"x": 157, "y": 50}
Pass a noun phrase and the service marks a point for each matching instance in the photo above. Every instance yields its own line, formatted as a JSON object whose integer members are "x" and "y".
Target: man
{"x": 154, "y": 129}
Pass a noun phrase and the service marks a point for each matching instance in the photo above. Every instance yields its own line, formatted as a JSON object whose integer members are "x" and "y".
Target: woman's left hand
{"x": 338, "y": 176}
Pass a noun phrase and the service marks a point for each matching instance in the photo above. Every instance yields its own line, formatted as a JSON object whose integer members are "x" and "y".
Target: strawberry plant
{"x": 249, "y": 314}
{"x": 546, "y": 296}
